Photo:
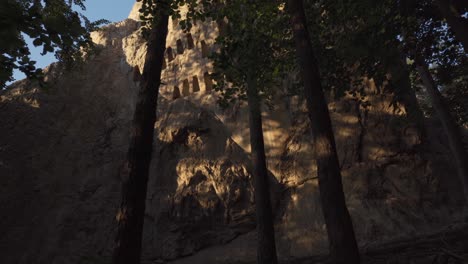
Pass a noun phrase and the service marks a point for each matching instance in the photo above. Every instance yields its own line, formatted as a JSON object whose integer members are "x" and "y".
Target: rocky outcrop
{"x": 201, "y": 193}
{"x": 61, "y": 149}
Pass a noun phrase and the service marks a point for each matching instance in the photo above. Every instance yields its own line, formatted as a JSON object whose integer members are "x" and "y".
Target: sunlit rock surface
{"x": 61, "y": 149}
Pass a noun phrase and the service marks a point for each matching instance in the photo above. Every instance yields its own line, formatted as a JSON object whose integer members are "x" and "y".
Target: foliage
{"x": 456, "y": 95}
{"x": 353, "y": 40}
{"x": 150, "y": 8}
{"x": 367, "y": 38}
{"x": 50, "y": 24}
{"x": 258, "y": 42}
{"x": 148, "y": 13}
{"x": 257, "y": 45}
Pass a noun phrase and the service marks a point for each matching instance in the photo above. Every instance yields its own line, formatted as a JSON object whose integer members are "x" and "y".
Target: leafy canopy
{"x": 370, "y": 38}
{"x": 50, "y": 24}
{"x": 255, "y": 47}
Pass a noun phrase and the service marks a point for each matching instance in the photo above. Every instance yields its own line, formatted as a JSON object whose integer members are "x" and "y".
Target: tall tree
{"x": 135, "y": 171}
{"x": 343, "y": 245}
{"x": 266, "y": 246}
{"x": 449, "y": 125}
{"x": 245, "y": 67}
{"x": 425, "y": 40}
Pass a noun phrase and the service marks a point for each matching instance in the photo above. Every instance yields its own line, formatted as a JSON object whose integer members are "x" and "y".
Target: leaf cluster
{"x": 50, "y": 24}
{"x": 257, "y": 45}
{"x": 372, "y": 39}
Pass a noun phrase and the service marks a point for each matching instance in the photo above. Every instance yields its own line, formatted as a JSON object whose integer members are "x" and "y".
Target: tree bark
{"x": 407, "y": 95}
{"x": 135, "y": 171}
{"x": 343, "y": 246}
{"x": 266, "y": 246}
{"x": 457, "y": 23}
{"x": 454, "y": 135}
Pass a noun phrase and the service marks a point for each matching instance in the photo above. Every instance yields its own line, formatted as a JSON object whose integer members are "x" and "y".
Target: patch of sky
{"x": 112, "y": 10}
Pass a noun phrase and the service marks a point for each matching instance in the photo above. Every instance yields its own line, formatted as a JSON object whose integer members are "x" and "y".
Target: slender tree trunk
{"x": 343, "y": 246}
{"x": 135, "y": 171}
{"x": 407, "y": 95}
{"x": 457, "y": 23}
{"x": 454, "y": 136}
{"x": 266, "y": 246}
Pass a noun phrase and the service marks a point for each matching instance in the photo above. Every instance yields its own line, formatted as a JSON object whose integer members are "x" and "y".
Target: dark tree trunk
{"x": 454, "y": 136}
{"x": 407, "y": 95}
{"x": 135, "y": 171}
{"x": 457, "y": 23}
{"x": 343, "y": 246}
{"x": 266, "y": 246}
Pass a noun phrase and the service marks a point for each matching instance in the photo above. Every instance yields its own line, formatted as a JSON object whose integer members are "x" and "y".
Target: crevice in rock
{"x": 170, "y": 55}
{"x": 185, "y": 88}
{"x": 190, "y": 43}
{"x": 208, "y": 82}
{"x": 204, "y": 48}
{"x": 195, "y": 84}
{"x": 180, "y": 47}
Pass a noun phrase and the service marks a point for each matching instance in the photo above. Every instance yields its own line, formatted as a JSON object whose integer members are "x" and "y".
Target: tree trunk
{"x": 454, "y": 136}
{"x": 457, "y": 23}
{"x": 343, "y": 246}
{"x": 266, "y": 247}
{"x": 135, "y": 171}
{"x": 407, "y": 95}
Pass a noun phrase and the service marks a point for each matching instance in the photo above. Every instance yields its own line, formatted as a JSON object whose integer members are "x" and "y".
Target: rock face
{"x": 61, "y": 149}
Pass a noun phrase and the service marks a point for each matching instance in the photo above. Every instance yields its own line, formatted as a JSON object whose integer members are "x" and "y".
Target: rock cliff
{"x": 61, "y": 149}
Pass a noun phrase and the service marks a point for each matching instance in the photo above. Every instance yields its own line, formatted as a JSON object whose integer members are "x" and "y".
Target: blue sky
{"x": 112, "y": 10}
